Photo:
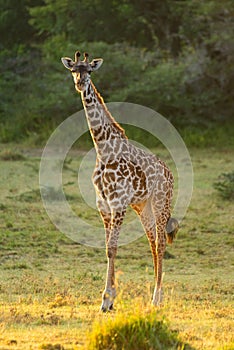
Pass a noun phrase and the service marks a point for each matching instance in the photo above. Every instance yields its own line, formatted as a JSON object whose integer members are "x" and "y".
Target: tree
{"x": 14, "y": 26}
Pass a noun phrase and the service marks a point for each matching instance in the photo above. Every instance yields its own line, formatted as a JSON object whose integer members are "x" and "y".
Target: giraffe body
{"x": 124, "y": 175}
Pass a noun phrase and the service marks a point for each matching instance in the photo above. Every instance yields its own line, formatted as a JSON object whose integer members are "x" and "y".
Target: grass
{"x": 50, "y": 286}
{"x": 141, "y": 327}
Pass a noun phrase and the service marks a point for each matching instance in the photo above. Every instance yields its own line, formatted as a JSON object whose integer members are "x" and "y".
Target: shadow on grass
{"x": 9, "y": 155}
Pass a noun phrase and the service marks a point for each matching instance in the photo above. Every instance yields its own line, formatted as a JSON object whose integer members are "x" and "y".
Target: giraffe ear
{"x": 67, "y": 62}
{"x": 96, "y": 63}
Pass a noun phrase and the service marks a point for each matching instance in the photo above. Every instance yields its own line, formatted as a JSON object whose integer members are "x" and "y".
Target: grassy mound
{"x": 225, "y": 185}
{"x": 134, "y": 330}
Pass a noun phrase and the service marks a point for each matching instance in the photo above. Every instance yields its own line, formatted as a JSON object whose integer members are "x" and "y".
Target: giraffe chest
{"x": 121, "y": 179}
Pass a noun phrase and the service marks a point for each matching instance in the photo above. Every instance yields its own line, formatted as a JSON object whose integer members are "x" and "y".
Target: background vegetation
{"x": 174, "y": 56}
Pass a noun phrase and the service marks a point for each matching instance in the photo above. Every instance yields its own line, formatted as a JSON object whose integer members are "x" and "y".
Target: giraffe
{"x": 124, "y": 176}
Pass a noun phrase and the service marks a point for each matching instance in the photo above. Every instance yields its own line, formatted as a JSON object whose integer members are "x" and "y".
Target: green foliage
{"x": 140, "y": 23}
{"x": 225, "y": 185}
{"x": 175, "y": 57}
{"x": 14, "y": 27}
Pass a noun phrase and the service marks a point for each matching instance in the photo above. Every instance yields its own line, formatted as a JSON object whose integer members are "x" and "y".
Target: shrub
{"x": 225, "y": 185}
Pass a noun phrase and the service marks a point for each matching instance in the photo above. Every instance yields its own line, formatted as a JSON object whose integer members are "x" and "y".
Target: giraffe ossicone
{"x": 124, "y": 176}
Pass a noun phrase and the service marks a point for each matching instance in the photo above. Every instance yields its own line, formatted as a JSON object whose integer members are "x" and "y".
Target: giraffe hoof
{"x": 111, "y": 307}
{"x": 106, "y": 309}
{"x": 103, "y": 309}
{"x": 157, "y": 298}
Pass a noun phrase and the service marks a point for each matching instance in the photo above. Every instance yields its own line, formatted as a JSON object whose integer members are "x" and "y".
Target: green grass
{"x": 50, "y": 286}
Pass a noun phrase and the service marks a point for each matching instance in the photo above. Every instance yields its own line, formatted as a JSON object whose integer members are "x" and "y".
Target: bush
{"x": 225, "y": 185}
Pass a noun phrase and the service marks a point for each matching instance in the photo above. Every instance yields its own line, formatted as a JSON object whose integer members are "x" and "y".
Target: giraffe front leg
{"x": 109, "y": 293}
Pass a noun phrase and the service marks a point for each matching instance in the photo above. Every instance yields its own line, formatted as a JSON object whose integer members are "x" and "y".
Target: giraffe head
{"x": 81, "y": 70}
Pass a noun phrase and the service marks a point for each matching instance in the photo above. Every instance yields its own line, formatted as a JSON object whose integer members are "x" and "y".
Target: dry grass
{"x": 135, "y": 324}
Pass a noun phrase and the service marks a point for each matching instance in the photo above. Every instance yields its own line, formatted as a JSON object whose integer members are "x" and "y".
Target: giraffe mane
{"x": 107, "y": 112}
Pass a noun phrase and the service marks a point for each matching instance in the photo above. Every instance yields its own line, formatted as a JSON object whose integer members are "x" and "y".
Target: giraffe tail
{"x": 171, "y": 229}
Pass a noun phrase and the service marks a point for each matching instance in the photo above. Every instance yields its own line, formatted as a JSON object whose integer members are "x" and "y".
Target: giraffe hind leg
{"x": 146, "y": 215}
{"x": 165, "y": 228}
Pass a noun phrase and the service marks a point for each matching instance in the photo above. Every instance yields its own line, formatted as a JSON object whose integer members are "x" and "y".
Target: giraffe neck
{"x": 106, "y": 133}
